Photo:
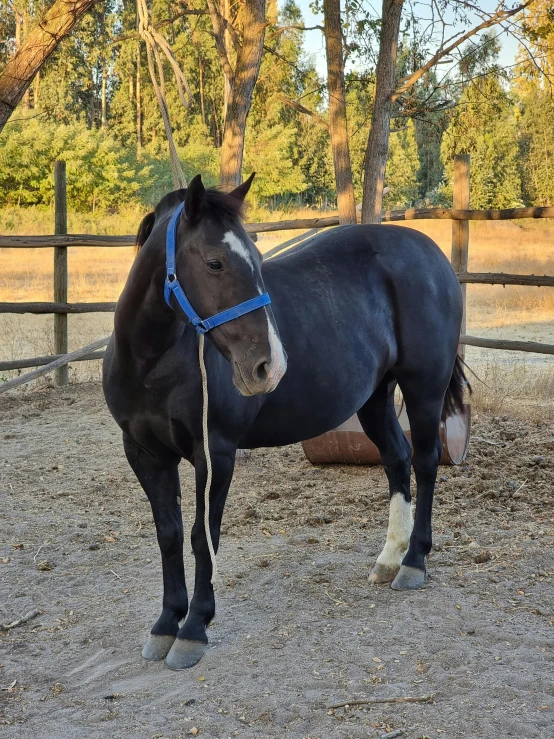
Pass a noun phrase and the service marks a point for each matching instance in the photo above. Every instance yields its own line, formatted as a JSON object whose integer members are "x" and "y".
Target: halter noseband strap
{"x": 173, "y": 286}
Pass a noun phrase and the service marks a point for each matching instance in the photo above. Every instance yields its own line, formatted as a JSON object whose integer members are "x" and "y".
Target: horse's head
{"x": 219, "y": 267}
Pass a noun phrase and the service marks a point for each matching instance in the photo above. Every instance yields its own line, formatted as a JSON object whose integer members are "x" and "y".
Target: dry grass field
{"x": 513, "y": 312}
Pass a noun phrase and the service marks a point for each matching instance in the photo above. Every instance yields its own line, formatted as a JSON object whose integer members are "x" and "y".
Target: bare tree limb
{"x": 19, "y": 621}
{"x": 295, "y": 105}
{"x": 495, "y": 18}
{"x": 167, "y": 22}
{"x": 282, "y": 58}
{"x": 218, "y": 27}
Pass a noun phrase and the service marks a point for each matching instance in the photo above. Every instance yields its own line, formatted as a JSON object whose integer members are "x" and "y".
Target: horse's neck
{"x": 144, "y": 328}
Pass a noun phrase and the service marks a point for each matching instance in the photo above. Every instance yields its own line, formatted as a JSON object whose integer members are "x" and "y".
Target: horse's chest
{"x": 155, "y": 421}
{"x": 159, "y": 434}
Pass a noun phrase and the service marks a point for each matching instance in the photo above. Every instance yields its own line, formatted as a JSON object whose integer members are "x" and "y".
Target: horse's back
{"x": 397, "y": 246}
{"x": 381, "y": 261}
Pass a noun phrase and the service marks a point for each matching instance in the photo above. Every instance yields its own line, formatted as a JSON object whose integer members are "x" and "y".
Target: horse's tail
{"x": 454, "y": 397}
{"x": 144, "y": 230}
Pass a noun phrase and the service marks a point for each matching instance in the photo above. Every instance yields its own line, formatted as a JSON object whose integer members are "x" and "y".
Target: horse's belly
{"x": 289, "y": 417}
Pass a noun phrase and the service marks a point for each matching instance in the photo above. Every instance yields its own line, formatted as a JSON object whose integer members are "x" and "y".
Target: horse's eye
{"x": 214, "y": 265}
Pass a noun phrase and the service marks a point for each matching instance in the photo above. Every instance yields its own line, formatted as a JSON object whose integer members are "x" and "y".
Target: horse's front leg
{"x": 192, "y": 640}
{"x": 160, "y": 482}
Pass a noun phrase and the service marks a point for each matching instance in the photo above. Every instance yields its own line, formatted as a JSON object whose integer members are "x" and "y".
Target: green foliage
{"x": 359, "y": 99}
{"x": 316, "y": 164}
{"x": 537, "y": 146}
{"x": 100, "y": 174}
{"x": 402, "y": 168}
{"x": 268, "y": 153}
{"x": 484, "y": 126}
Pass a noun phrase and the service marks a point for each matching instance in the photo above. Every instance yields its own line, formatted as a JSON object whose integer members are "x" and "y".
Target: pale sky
{"x": 315, "y": 47}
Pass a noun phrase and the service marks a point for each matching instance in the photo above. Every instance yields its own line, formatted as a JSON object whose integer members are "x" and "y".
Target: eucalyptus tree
{"x": 56, "y": 23}
{"x": 338, "y": 126}
{"x": 240, "y": 60}
{"x": 389, "y": 89}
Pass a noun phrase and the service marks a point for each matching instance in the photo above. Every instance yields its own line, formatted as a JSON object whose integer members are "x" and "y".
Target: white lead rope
{"x": 207, "y": 455}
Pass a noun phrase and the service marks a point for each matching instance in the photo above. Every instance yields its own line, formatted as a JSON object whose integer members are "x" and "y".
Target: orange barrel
{"x": 348, "y": 444}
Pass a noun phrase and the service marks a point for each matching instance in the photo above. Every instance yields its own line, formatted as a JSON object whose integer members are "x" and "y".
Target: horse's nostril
{"x": 261, "y": 371}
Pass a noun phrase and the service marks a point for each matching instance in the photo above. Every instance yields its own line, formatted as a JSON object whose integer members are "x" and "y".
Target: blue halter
{"x": 172, "y": 285}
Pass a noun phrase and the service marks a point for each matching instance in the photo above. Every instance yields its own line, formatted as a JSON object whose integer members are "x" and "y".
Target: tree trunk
{"x": 337, "y": 112}
{"x": 104, "y": 96}
{"x": 139, "y": 104}
{"x": 18, "y": 73}
{"x": 18, "y": 21}
{"x": 378, "y": 141}
{"x": 36, "y": 89}
{"x": 227, "y": 45}
{"x": 201, "y": 84}
{"x": 201, "y": 76}
{"x": 247, "y": 68}
{"x": 25, "y": 30}
{"x": 216, "y": 127}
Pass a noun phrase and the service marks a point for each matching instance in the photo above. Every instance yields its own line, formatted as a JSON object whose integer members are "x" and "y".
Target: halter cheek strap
{"x": 173, "y": 286}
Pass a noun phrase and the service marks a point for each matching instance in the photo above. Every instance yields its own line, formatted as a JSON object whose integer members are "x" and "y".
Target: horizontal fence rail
{"x": 458, "y": 214}
{"x": 84, "y": 240}
{"x": 41, "y": 308}
{"x": 512, "y": 346}
{"x": 58, "y": 363}
{"x": 16, "y": 364}
{"x": 68, "y": 240}
{"x": 500, "y": 278}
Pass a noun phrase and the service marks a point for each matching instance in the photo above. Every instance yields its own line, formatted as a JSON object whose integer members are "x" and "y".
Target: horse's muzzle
{"x": 262, "y": 378}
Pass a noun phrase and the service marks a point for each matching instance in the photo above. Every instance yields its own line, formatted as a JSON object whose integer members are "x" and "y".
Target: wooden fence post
{"x": 460, "y": 229}
{"x": 60, "y": 269}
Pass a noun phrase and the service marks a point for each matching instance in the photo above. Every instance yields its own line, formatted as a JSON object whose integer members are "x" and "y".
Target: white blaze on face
{"x": 398, "y": 533}
{"x": 278, "y": 364}
{"x": 238, "y": 247}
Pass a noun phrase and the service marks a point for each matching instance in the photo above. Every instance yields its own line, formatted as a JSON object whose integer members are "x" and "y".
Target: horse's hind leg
{"x": 192, "y": 640}
{"x": 160, "y": 482}
{"x": 379, "y": 421}
{"x": 424, "y": 399}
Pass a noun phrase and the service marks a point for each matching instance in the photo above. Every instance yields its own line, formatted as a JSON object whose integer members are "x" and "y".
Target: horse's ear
{"x": 193, "y": 198}
{"x": 145, "y": 228}
{"x": 240, "y": 192}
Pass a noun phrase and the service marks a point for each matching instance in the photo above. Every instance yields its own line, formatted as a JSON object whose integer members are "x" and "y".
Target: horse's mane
{"x": 215, "y": 204}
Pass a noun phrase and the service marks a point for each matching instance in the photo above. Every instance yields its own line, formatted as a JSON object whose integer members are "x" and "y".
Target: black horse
{"x": 356, "y": 311}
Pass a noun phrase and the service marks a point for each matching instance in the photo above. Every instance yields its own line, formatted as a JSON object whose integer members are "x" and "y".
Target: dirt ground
{"x": 298, "y": 628}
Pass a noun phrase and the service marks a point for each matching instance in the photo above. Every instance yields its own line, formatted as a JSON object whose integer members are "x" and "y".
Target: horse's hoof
{"x": 185, "y": 653}
{"x": 157, "y": 647}
{"x": 383, "y": 573}
{"x": 408, "y": 578}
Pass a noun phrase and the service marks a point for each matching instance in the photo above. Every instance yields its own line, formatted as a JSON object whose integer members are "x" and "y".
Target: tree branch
{"x": 219, "y": 29}
{"x": 295, "y": 105}
{"x": 498, "y": 17}
{"x": 282, "y": 58}
{"x": 167, "y": 22}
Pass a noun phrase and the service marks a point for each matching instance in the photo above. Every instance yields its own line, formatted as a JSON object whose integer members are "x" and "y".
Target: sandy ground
{"x": 298, "y": 628}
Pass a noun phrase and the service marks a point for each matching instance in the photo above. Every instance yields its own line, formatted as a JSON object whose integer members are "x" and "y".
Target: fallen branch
{"x": 61, "y": 362}
{"x": 395, "y": 733}
{"x": 488, "y": 441}
{"x": 370, "y": 701}
{"x": 23, "y": 620}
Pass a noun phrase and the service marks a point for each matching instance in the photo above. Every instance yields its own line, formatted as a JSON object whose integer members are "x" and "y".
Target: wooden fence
{"x": 460, "y": 215}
